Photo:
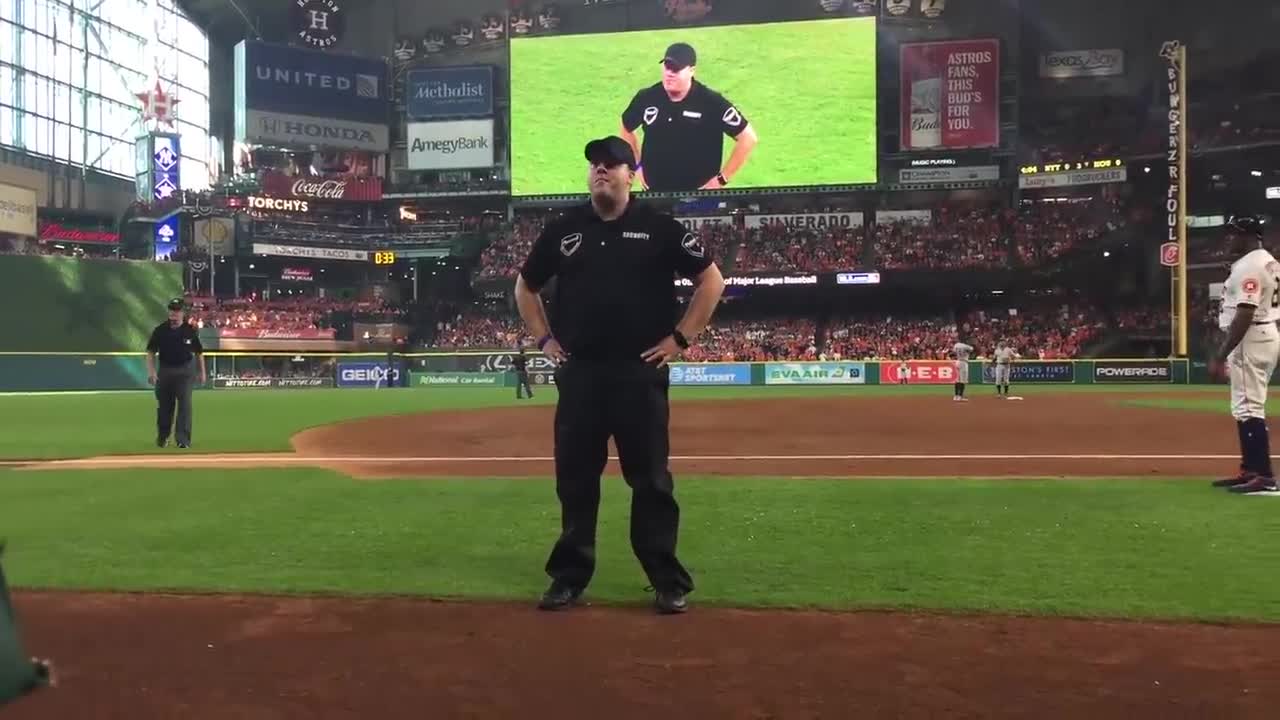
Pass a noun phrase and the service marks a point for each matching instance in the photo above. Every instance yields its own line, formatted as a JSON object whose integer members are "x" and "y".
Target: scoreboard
{"x": 1070, "y": 166}
{"x": 384, "y": 257}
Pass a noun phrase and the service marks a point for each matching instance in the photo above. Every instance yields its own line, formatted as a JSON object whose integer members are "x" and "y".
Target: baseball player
{"x": 1005, "y": 356}
{"x": 962, "y": 353}
{"x": 904, "y": 373}
{"x": 1250, "y": 308}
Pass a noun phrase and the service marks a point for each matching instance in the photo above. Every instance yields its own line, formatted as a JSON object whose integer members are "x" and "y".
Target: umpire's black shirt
{"x": 615, "y": 294}
{"x": 174, "y": 346}
{"x": 683, "y": 141}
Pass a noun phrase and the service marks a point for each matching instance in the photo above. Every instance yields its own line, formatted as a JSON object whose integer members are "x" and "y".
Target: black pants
{"x": 630, "y": 404}
{"x": 522, "y": 382}
{"x": 173, "y": 386}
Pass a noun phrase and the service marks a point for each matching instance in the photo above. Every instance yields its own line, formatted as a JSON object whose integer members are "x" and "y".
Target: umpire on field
{"x": 175, "y": 362}
{"x": 612, "y": 333}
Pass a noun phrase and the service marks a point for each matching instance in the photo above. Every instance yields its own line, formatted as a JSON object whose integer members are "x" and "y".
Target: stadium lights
{"x": 250, "y": 266}
{"x": 1256, "y": 173}
{"x": 1106, "y": 253}
{"x": 1146, "y": 169}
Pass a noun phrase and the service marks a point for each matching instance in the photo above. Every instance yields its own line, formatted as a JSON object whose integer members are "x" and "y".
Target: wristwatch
{"x": 680, "y": 339}
{"x": 723, "y": 180}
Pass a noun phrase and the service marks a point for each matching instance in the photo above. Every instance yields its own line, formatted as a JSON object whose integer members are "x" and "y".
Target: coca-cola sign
{"x": 347, "y": 189}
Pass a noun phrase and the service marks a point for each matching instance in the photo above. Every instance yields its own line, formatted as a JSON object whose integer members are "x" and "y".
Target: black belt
{"x": 1264, "y": 322}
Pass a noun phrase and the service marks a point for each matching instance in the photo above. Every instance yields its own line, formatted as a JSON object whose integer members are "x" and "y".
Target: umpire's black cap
{"x": 680, "y": 56}
{"x": 611, "y": 150}
{"x": 177, "y": 304}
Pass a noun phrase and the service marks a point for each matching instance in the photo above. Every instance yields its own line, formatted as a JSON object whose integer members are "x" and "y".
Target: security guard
{"x": 520, "y": 361}
{"x": 684, "y": 125}
{"x": 181, "y": 363}
{"x": 614, "y": 330}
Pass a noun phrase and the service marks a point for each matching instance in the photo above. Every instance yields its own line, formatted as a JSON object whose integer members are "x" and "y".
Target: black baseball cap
{"x": 610, "y": 150}
{"x": 176, "y": 304}
{"x": 682, "y": 55}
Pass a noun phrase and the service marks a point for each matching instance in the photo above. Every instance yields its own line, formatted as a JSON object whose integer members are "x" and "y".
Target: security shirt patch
{"x": 693, "y": 245}
{"x": 569, "y": 244}
{"x": 650, "y": 114}
{"x": 732, "y": 117}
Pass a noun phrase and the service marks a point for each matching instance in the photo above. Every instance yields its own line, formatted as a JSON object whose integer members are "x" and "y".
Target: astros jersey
{"x": 1254, "y": 280}
{"x": 1005, "y": 355}
{"x": 962, "y": 351}
{"x": 683, "y": 141}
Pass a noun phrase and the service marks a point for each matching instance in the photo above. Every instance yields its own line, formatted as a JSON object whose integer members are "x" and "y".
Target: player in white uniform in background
{"x": 1250, "y": 308}
{"x": 962, "y": 353}
{"x": 904, "y": 373}
{"x": 1004, "y": 356}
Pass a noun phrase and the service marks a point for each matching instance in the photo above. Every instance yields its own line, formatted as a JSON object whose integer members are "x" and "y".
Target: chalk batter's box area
{"x": 1033, "y": 372}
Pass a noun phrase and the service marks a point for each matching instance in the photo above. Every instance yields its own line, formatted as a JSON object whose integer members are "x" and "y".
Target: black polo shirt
{"x": 174, "y": 346}
{"x": 520, "y": 362}
{"x": 683, "y": 141}
{"x": 615, "y": 293}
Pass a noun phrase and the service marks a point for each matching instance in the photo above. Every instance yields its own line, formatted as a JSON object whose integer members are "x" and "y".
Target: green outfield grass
{"x": 77, "y": 425}
{"x": 815, "y": 114}
{"x": 1104, "y": 547}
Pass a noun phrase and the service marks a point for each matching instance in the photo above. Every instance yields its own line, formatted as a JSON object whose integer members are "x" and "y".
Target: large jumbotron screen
{"x": 807, "y": 90}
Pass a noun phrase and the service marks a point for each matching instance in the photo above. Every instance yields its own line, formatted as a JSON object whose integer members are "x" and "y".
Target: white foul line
{"x": 293, "y": 459}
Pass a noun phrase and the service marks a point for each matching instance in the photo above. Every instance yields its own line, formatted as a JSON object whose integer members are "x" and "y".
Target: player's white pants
{"x": 1250, "y": 368}
{"x": 962, "y": 371}
{"x": 1002, "y": 374}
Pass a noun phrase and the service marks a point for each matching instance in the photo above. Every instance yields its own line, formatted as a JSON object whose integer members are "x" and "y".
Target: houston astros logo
{"x": 732, "y": 117}
{"x": 650, "y": 114}
{"x": 569, "y": 244}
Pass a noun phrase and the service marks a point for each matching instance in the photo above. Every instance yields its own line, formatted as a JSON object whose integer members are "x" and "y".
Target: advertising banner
{"x": 297, "y": 274}
{"x": 1068, "y": 179}
{"x": 716, "y": 374}
{"x": 1034, "y": 372}
{"x": 216, "y": 235}
{"x": 918, "y": 372}
{"x": 17, "y": 210}
{"x": 889, "y": 217}
{"x": 316, "y": 253}
{"x": 694, "y": 223}
{"x": 290, "y": 383}
{"x": 297, "y": 81}
{"x": 275, "y": 128}
{"x": 450, "y": 145}
{"x": 819, "y": 373}
{"x": 57, "y": 232}
{"x": 501, "y": 362}
{"x": 448, "y": 92}
{"x": 807, "y": 221}
{"x": 1141, "y": 371}
{"x": 441, "y": 379}
{"x": 950, "y": 94}
{"x": 922, "y": 176}
{"x": 1082, "y": 63}
{"x": 368, "y": 374}
{"x": 348, "y": 189}
{"x": 262, "y": 334}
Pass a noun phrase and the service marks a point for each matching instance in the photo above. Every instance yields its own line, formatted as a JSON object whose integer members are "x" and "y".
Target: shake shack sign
{"x": 1152, "y": 371}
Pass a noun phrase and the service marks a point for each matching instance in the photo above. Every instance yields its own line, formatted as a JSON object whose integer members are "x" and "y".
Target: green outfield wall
{"x": 57, "y": 304}
{"x": 127, "y": 371}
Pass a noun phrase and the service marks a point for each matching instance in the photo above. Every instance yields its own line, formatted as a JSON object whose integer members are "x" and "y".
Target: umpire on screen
{"x": 175, "y": 362}
{"x": 613, "y": 331}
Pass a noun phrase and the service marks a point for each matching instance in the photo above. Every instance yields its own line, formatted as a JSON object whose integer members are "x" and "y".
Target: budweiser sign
{"x": 349, "y": 189}
{"x": 264, "y": 334}
{"x": 50, "y": 232}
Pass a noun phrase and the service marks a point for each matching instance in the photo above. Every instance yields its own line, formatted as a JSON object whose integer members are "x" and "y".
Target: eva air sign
{"x": 822, "y": 373}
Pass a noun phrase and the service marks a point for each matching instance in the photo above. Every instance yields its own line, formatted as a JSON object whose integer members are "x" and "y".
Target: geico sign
{"x": 368, "y": 374}
{"x": 264, "y": 203}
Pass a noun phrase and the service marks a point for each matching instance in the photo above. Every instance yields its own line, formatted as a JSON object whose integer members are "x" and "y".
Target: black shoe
{"x": 184, "y": 446}
{"x": 670, "y": 602}
{"x": 559, "y": 597}
{"x": 161, "y": 442}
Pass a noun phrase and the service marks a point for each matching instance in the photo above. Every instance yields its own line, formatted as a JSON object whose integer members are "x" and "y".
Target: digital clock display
{"x": 1070, "y": 166}
{"x": 384, "y": 257}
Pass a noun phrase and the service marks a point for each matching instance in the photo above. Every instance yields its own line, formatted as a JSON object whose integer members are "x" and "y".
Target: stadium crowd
{"x": 284, "y": 315}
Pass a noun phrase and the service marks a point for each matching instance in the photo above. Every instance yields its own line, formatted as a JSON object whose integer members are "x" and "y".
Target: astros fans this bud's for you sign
{"x": 950, "y": 94}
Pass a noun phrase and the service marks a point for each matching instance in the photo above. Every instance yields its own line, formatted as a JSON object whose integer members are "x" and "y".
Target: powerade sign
{"x": 843, "y": 373}
{"x": 1034, "y": 372}
{"x": 367, "y": 374}
{"x": 1146, "y": 371}
{"x": 719, "y": 374}
{"x": 297, "y": 81}
{"x": 449, "y": 92}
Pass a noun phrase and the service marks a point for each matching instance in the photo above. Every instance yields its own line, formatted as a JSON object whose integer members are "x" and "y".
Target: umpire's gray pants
{"x": 173, "y": 386}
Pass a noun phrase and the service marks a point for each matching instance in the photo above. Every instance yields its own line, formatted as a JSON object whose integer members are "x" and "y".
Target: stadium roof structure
{"x": 233, "y": 20}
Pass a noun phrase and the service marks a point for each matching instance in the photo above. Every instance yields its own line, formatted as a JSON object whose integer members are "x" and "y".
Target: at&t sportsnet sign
{"x": 820, "y": 373}
{"x": 449, "y": 92}
{"x": 1144, "y": 371}
{"x": 715, "y": 374}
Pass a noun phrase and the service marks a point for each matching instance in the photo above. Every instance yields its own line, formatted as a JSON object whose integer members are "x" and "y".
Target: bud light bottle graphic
{"x": 926, "y": 113}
